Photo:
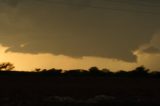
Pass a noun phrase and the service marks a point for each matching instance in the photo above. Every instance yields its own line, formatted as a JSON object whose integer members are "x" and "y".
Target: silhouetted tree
{"x": 73, "y": 73}
{"x": 140, "y": 71}
{"x": 6, "y": 66}
{"x": 96, "y": 72}
{"x": 51, "y": 72}
{"x": 54, "y": 71}
{"x": 85, "y": 72}
{"x": 121, "y": 73}
{"x": 155, "y": 74}
{"x": 93, "y": 69}
{"x": 37, "y": 69}
{"x": 107, "y": 72}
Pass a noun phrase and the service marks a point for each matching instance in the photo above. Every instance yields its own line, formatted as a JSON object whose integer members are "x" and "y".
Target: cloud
{"x": 149, "y": 54}
{"x": 153, "y": 46}
{"x": 48, "y": 60}
{"x": 151, "y": 50}
{"x": 53, "y": 26}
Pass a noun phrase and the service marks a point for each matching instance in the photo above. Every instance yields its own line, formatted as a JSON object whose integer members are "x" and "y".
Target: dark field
{"x": 47, "y": 91}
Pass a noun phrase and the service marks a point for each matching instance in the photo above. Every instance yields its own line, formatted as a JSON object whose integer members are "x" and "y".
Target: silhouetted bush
{"x": 94, "y": 71}
{"x": 6, "y": 66}
{"x": 139, "y": 72}
{"x": 107, "y": 72}
{"x": 122, "y": 73}
{"x": 154, "y": 74}
{"x": 51, "y": 72}
{"x": 73, "y": 73}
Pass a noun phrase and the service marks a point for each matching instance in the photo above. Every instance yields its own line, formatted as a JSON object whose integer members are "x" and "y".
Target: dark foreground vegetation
{"x": 93, "y": 87}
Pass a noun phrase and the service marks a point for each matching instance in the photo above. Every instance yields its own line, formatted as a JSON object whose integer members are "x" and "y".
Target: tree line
{"x": 7, "y": 68}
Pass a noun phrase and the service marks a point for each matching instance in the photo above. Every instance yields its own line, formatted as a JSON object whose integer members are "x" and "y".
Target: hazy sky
{"x": 116, "y": 34}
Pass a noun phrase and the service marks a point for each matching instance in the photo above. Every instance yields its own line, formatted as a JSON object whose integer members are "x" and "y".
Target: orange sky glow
{"x": 28, "y": 62}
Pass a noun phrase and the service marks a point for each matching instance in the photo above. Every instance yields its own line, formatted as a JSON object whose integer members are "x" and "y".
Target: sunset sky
{"x": 71, "y": 34}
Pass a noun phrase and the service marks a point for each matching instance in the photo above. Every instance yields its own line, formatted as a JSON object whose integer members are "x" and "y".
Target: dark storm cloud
{"x": 152, "y": 50}
{"x": 76, "y": 27}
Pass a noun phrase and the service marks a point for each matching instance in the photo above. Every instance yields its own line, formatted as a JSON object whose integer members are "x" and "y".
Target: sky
{"x": 71, "y": 34}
